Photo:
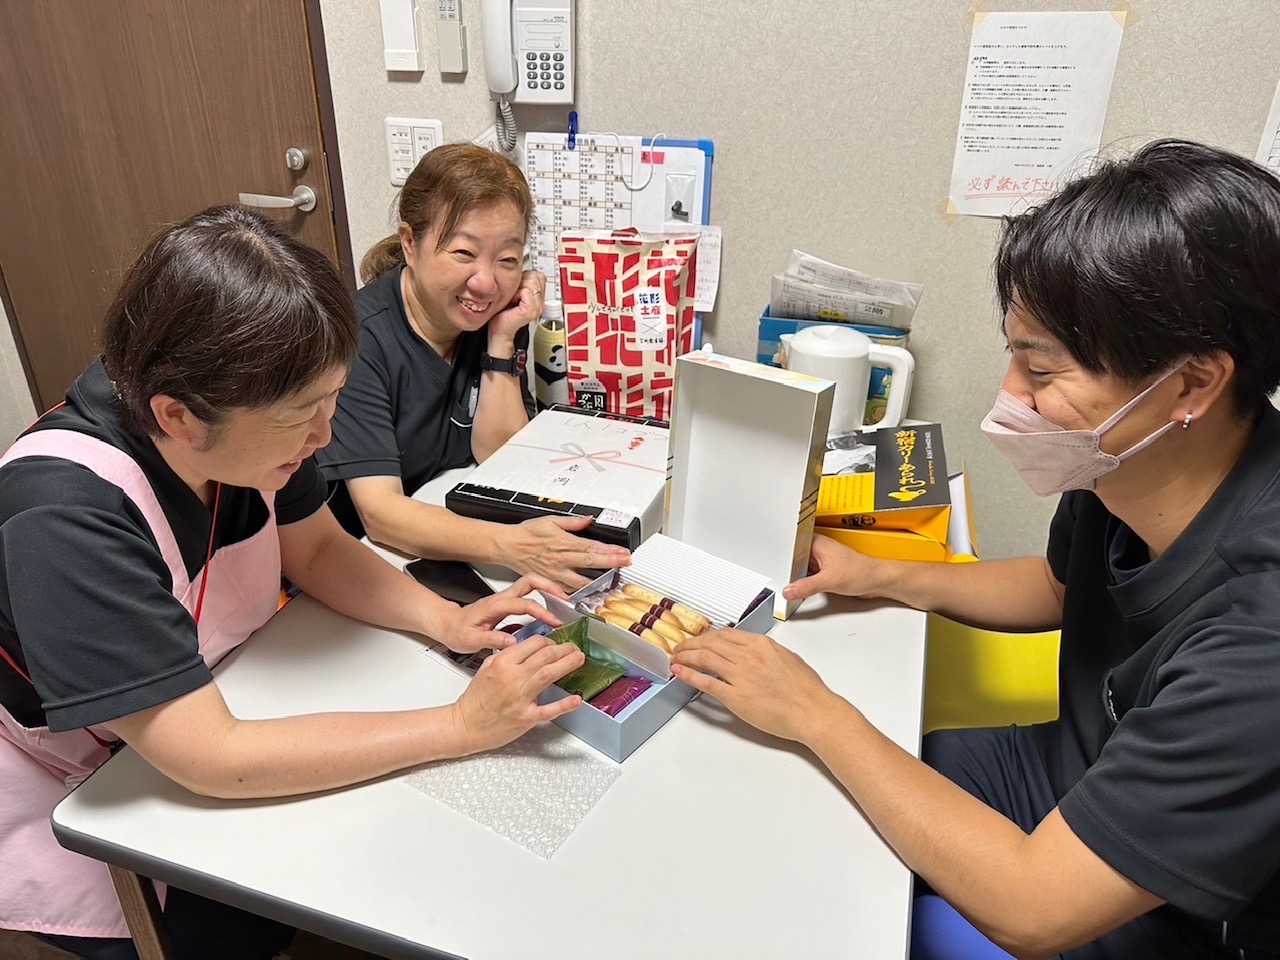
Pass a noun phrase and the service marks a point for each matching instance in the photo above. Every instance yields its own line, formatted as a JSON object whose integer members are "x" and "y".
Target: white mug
{"x": 840, "y": 353}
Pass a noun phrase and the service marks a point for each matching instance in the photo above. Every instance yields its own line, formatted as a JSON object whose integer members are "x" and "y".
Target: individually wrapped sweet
{"x": 618, "y": 694}
{"x": 590, "y": 679}
{"x": 574, "y": 632}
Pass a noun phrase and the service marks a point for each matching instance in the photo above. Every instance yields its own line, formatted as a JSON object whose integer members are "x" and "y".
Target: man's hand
{"x": 759, "y": 680}
{"x": 835, "y": 568}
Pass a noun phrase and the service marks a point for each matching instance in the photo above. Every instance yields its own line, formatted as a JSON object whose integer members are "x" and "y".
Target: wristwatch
{"x": 511, "y": 365}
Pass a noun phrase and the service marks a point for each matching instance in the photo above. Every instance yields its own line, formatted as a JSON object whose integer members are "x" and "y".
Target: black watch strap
{"x": 511, "y": 365}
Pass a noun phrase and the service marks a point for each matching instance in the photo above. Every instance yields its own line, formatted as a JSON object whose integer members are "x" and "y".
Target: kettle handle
{"x": 783, "y": 356}
{"x": 901, "y": 366}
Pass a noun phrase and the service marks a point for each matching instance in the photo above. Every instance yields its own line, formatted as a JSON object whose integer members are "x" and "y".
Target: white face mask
{"x": 1051, "y": 459}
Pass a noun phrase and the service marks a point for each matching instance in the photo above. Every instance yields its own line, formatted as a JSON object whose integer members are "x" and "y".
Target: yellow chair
{"x": 984, "y": 678}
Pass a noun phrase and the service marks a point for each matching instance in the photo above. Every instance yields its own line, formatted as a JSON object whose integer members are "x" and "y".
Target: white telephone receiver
{"x": 528, "y": 50}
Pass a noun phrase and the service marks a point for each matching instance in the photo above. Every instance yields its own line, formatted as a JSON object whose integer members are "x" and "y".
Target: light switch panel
{"x": 408, "y": 140}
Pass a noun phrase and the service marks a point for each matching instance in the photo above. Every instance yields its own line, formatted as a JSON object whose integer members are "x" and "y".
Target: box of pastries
{"x": 629, "y": 621}
{"x": 745, "y": 452}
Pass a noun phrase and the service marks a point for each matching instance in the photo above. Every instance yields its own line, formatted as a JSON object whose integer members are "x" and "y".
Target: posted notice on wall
{"x": 1035, "y": 98}
{"x": 1269, "y": 148}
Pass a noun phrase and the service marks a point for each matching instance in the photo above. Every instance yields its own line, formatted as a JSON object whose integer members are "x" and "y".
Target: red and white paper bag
{"x": 628, "y": 309}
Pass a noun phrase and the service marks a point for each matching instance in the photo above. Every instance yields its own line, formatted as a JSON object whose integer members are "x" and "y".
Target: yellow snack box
{"x": 893, "y": 479}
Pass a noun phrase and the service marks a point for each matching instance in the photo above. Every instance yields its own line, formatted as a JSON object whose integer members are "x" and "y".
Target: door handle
{"x": 304, "y": 198}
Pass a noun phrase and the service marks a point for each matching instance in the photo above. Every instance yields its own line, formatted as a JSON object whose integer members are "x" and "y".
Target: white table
{"x": 716, "y": 840}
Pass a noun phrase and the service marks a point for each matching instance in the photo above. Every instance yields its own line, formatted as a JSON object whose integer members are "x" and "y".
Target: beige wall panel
{"x": 834, "y": 124}
{"x": 16, "y": 408}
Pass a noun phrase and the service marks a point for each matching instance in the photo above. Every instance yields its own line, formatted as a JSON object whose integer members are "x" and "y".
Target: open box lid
{"x": 746, "y": 447}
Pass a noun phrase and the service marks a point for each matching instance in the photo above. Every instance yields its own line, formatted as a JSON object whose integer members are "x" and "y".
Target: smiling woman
{"x": 145, "y": 524}
{"x": 439, "y": 381}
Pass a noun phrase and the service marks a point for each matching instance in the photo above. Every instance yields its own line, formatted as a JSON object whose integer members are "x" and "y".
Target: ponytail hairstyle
{"x": 447, "y": 183}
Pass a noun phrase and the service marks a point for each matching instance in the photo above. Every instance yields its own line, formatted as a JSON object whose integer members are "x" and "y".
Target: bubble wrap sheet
{"x": 533, "y": 791}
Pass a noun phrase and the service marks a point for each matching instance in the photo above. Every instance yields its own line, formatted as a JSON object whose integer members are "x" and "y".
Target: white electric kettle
{"x": 840, "y": 353}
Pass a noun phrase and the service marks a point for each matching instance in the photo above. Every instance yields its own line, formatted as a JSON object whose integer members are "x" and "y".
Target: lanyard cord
{"x": 13, "y": 663}
{"x": 208, "y": 557}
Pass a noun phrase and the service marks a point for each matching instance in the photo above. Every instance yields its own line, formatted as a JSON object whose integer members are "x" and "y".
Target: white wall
{"x": 834, "y": 123}
{"x": 16, "y": 407}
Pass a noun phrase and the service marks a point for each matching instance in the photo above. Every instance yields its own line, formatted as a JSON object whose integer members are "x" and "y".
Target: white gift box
{"x": 572, "y": 462}
{"x": 747, "y": 442}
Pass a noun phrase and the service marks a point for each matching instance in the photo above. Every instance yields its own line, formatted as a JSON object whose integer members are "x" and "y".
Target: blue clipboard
{"x": 708, "y": 149}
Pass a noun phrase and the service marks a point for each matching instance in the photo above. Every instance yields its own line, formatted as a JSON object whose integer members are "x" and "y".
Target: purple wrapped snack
{"x": 619, "y": 693}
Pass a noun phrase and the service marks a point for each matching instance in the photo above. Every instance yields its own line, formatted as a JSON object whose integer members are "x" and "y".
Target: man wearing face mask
{"x": 1142, "y": 314}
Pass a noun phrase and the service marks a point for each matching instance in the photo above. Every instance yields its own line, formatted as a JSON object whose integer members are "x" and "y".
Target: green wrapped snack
{"x": 575, "y": 633}
{"x": 590, "y": 678}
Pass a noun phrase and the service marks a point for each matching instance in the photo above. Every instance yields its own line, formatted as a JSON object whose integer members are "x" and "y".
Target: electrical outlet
{"x": 408, "y": 140}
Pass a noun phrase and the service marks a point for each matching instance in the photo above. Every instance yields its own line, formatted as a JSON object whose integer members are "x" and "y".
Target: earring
{"x": 1186, "y": 421}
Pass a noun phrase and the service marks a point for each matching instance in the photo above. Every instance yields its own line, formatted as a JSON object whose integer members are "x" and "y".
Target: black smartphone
{"x": 452, "y": 579}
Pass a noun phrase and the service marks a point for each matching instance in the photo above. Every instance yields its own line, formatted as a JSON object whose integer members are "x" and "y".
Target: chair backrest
{"x": 985, "y": 678}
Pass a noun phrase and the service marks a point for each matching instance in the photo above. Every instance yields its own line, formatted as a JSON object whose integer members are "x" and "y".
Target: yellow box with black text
{"x": 893, "y": 479}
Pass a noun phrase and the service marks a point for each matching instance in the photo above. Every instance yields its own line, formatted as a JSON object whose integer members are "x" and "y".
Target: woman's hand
{"x": 524, "y": 309}
{"x": 471, "y": 628}
{"x": 759, "y": 680}
{"x": 546, "y": 547}
{"x": 502, "y": 701}
{"x": 835, "y": 568}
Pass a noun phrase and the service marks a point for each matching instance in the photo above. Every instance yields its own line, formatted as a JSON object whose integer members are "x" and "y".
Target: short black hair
{"x": 225, "y": 310}
{"x": 1171, "y": 253}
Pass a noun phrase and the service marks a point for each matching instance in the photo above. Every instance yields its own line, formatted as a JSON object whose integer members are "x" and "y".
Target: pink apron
{"x": 44, "y": 887}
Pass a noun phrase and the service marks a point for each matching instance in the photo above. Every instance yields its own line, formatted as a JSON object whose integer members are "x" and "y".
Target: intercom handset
{"x": 528, "y": 50}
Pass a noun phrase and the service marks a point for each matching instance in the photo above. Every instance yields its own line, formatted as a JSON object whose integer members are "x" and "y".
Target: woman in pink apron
{"x": 144, "y": 527}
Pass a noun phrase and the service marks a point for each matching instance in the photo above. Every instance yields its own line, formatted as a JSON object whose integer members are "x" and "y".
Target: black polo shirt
{"x": 86, "y": 602}
{"x": 405, "y": 411}
{"x": 1165, "y": 758}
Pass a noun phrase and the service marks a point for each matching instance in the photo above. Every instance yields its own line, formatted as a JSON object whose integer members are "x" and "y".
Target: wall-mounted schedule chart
{"x": 585, "y": 187}
{"x": 607, "y": 181}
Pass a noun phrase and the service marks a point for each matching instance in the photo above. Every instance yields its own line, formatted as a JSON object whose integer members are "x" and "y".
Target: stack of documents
{"x": 813, "y": 289}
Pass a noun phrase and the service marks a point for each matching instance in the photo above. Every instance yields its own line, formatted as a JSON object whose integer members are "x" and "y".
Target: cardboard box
{"x": 889, "y": 544}
{"x": 769, "y": 346}
{"x": 889, "y": 479}
{"x": 668, "y": 568}
{"x": 746, "y": 449}
{"x": 958, "y": 545}
{"x": 962, "y": 531}
{"x": 572, "y": 462}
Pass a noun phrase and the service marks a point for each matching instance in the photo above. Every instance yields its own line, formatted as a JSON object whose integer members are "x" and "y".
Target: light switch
{"x": 408, "y": 140}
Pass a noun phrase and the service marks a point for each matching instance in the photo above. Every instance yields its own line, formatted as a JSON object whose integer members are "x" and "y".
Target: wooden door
{"x": 121, "y": 116}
